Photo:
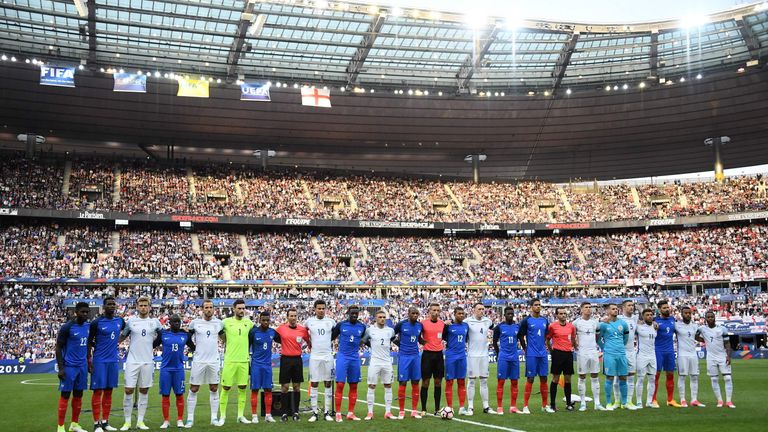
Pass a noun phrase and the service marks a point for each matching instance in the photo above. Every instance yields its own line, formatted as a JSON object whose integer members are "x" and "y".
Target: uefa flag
{"x": 315, "y": 97}
{"x": 193, "y": 88}
{"x": 254, "y": 92}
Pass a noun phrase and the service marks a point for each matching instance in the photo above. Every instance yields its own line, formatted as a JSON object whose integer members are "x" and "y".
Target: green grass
{"x": 33, "y": 408}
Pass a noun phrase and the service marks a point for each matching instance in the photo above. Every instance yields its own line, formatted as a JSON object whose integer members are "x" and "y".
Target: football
{"x": 446, "y": 413}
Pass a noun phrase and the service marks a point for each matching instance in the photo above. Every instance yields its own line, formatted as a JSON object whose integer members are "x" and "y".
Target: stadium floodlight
{"x": 475, "y": 20}
{"x": 258, "y": 25}
{"x": 396, "y": 11}
{"x": 82, "y": 9}
{"x": 693, "y": 21}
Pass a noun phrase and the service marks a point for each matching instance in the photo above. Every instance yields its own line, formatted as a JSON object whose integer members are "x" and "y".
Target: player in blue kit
{"x": 103, "y": 339}
{"x": 407, "y": 338}
{"x": 260, "y": 340}
{"x": 350, "y": 334}
{"x": 507, "y": 359}
{"x": 665, "y": 352}
{"x": 455, "y": 336}
{"x": 72, "y": 362}
{"x": 532, "y": 337}
{"x": 614, "y": 335}
{"x": 173, "y": 342}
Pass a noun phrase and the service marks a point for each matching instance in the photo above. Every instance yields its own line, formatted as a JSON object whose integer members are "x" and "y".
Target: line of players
{"x": 453, "y": 351}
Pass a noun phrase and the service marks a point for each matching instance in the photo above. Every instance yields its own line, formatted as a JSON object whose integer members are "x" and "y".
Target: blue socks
{"x": 623, "y": 390}
{"x": 608, "y": 390}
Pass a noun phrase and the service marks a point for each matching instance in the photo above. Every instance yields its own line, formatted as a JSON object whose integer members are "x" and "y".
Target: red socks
{"x": 544, "y": 392}
{"x": 670, "y": 386}
{"x": 500, "y": 393}
{"x": 255, "y": 402}
{"x": 77, "y": 405}
{"x": 180, "y": 407}
{"x": 62, "y": 410}
{"x": 96, "y": 405}
{"x": 352, "y": 396}
{"x": 106, "y": 404}
{"x": 415, "y": 396}
{"x": 513, "y": 402}
{"x": 656, "y": 389}
{"x": 527, "y": 394}
{"x": 448, "y": 393}
{"x": 166, "y": 404}
{"x": 462, "y": 392}
{"x": 401, "y": 397}
{"x": 339, "y": 395}
{"x": 268, "y": 402}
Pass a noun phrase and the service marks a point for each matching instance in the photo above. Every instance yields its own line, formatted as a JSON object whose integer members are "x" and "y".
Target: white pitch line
{"x": 365, "y": 402}
{"x": 31, "y": 382}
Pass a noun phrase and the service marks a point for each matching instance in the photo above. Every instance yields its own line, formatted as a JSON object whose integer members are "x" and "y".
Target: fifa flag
{"x": 254, "y": 92}
{"x": 193, "y": 88}
{"x": 57, "y": 76}
{"x": 315, "y": 97}
{"x": 133, "y": 83}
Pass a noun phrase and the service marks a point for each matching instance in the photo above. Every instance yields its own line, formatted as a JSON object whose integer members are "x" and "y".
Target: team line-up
{"x": 428, "y": 349}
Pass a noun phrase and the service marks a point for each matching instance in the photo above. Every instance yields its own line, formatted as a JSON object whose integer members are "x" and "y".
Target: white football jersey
{"x": 320, "y": 336}
{"x": 714, "y": 338}
{"x": 206, "y": 338}
{"x": 142, "y": 332}
{"x": 381, "y": 344}
{"x": 585, "y": 334}
{"x": 632, "y": 324}
{"x": 686, "y": 338}
{"x": 478, "y": 336}
{"x": 646, "y": 340}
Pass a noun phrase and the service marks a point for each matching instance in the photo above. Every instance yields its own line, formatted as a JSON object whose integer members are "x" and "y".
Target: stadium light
{"x": 258, "y": 25}
{"x": 693, "y": 21}
{"x": 607, "y": 88}
{"x": 698, "y": 76}
{"x": 568, "y": 91}
{"x": 475, "y": 20}
{"x": 82, "y": 9}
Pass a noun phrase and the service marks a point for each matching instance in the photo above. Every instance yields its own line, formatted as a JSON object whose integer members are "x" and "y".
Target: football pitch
{"x": 29, "y": 404}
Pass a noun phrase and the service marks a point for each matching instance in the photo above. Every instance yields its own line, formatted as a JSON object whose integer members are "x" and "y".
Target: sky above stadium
{"x": 592, "y": 11}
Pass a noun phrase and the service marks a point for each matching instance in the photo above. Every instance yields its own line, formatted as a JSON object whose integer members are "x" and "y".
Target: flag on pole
{"x": 315, "y": 97}
{"x": 193, "y": 88}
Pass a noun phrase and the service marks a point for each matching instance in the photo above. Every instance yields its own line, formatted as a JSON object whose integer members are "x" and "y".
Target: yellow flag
{"x": 193, "y": 88}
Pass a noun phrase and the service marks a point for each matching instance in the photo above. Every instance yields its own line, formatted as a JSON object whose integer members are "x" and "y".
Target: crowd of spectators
{"x": 147, "y": 187}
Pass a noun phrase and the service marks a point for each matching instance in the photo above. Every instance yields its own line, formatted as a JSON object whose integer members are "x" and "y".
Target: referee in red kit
{"x": 432, "y": 362}
{"x": 292, "y": 335}
{"x": 561, "y": 342}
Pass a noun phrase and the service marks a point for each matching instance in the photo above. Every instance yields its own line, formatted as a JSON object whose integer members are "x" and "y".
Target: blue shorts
{"x": 347, "y": 370}
{"x": 408, "y": 368}
{"x": 508, "y": 370}
{"x": 665, "y": 362}
{"x": 75, "y": 378}
{"x": 536, "y": 366}
{"x": 615, "y": 365}
{"x": 105, "y": 375}
{"x": 455, "y": 368}
{"x": 171, "y": 379}
{"x": 261, "y": 377}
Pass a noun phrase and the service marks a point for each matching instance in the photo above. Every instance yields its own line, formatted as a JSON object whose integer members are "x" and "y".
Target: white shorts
{"x": 715, "y": 368}
{"x": 378, "y": 372}
{"x": 646, "y": 365}
{"x": 687, "y": 365}
{"x": 631, "y": 361}
{"x": 587, "y": 364}
{"x": 321, "y": 370}
{"x": 477, "y": 367}
{"x": 205, "y": 373}
{"x": 139, "y": 375}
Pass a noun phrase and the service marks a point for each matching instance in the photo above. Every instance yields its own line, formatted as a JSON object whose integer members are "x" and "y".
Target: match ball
{"x": 446, "y": 413}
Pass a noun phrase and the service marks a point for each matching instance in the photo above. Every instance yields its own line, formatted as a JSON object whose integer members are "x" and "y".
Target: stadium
{"x": 274, "y": 208}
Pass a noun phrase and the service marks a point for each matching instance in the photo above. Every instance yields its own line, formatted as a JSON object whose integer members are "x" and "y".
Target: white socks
{"x": 582, "y": 386}
{"x": 681, "y": 386}
{"x": 694, "y": 387}
{"x": 470, "y": 403}
{"x": 128, "y": 407}
{"x": 596, "y": 390}
{"x": 214, "y": 400}
{"x": 651, "y": 388}
{"x": 370, "y": 399}
{"x": 728, "y": 387}
{"x": 483, "y": 391}
{"x": 142, "y": 405}
{"x": 313, "y": 398}
{"x": 716, "y": 388}
{"x": 388, "y": 398}
{"x": 191, "y": 404}
{"x": 328, "y": 399}
{"x": 630, "y": 388}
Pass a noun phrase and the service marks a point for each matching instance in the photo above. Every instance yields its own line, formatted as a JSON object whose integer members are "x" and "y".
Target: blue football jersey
{"x": 173, "y": 349}
{"x": 506, "y": 336}
{"x": 456, "y": 338}
{"x": 664, "y": 335}
{"x": 73, "y": 338}
{"x": 105, "y": 334}
{"x": 409, "y": 337}
{"x": 261, "y": 345}
{"x": 535, "y": 332}
{"x": 349, "y": 338}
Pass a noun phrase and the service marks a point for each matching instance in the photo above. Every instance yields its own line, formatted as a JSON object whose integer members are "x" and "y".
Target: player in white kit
{"x": 140, "y": 362}
{"x": 477, "y": 359}
{"x": 629, "y": 317}
{"x": 321, "y": 362}
{"x": 715, "y": 337}
{"x": 646, "y": 358}
{"x": 687, "y": 360}
{"x": 588, "y": 357}
{"x": 206, "y": 363}
{"x": 379, "y": 337}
